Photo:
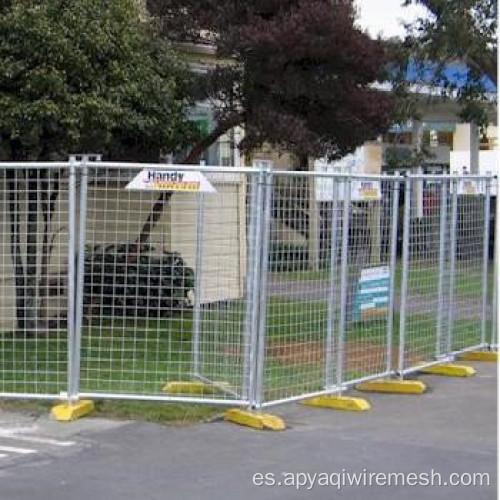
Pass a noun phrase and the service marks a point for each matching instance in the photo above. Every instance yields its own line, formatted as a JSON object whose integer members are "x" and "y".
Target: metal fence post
{"x": 200, "y": 213}
{"x": 343, "y": 279}
{"x": 486, "y": 239}
{"x": 442, "y": 265}
{"x": 496, "y": 270}
{"x": 406, "y": 272}
{"x": 330, "y": 334}
{"x": 72, "y": 357}
{"x": 251, "y": 272}
{"x": 392, "y": 269}
{"x": 80, "y": 281}
{"x": 264, "y": 271}
{"x": 494, "y": 319}
{"x": 453, "y": 258}
{"x": 254, "y": 299}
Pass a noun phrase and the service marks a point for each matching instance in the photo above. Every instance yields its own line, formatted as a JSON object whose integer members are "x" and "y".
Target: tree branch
{"x": 192, "y": 157}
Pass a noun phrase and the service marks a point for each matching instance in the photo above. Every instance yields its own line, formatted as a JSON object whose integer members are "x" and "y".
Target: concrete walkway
{"x": 452, "y": 429}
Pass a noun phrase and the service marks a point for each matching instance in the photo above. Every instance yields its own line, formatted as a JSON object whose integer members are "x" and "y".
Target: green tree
{"x": 76, "y": 76}
{"x": 458, "y": 31}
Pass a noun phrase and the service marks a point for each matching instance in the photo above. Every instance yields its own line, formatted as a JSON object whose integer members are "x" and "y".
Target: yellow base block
{"x": 449, "y": 370}
{"x": 255, "y": 420}
{"x": 338, "y": 403}
{"x": 65, "y": 412}
{"x": 194, "y": 388}
{"x": 393, "y": 386}
{"x": 491, "y": 356}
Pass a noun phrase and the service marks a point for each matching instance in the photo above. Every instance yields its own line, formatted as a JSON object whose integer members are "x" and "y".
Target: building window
{"x": 395, "y": 138}
{"x": 436, "y": 138}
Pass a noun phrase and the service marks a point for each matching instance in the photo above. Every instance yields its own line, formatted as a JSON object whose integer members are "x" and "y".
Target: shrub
{"x": 288, "y": 257}
{"x": 127, "y": 280}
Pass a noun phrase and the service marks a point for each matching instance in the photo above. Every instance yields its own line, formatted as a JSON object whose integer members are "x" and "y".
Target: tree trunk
{"x": 49, "y": 193}
{"x": 31, "y": 310}
{"x": 15, "y": 247}
{"x": 192, "y": 157}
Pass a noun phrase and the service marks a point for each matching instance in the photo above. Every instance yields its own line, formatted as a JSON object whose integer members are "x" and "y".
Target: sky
{"x": 384, "y": 16}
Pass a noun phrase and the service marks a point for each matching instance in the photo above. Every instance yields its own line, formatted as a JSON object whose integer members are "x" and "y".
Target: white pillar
{"x": 417, "y": 139}
{"x": 314, "y": 224}
{"x": 466, "y": 138}
{"x": 474, "y": 148}
{"x": 237, "y": 138}
{"x": 417, "y": 135}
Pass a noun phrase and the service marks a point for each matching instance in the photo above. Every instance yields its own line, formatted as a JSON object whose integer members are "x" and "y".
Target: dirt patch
{"x": 365, "y": 356}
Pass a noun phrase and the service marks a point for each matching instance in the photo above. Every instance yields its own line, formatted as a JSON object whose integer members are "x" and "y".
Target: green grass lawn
{"x": 141, "y": 356}
{"x": 181, "y": 414}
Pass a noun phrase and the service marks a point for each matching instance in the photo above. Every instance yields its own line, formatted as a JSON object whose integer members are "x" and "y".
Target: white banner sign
{"x": 361, "y": 190}
{"x": 171, "y": 180}
{"x": 470, "y": 187}
{"x": 488, "y": 164}
{"x": 366, "y": 190}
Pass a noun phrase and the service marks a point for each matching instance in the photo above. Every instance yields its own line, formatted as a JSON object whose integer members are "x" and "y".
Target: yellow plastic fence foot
{"x": 491, "y": 356}
{"x": 255, "y": 420}
{"x": 194, "y": 387}
{"x": 449, "y": 370}
{"x": 393, "y": 386}
{"x": 338, "y": 403}
{"x": 66, "y": 412}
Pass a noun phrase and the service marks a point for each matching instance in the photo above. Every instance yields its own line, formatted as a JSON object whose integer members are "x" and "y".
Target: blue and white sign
{"x": 372, "y": 293}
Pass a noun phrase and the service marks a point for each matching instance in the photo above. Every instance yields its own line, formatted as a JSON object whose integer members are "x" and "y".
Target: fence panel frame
{"x": 49, "y": 167}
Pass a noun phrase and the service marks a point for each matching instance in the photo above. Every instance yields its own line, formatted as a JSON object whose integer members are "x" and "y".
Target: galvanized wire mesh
{"x": 34, "y": 222}
{"x": 164, "y": 295}
{"x": 297, "y": 291}
{"x": 426, "y": 264}
{"x": 368, "y": 343}
{"x": 274, "y": 287}
{"x": 470, "y": 293}
{"x": 329, "y": 317}
{"x": 446, "y": 300}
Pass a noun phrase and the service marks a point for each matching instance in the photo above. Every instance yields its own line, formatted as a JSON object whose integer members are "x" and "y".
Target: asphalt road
{"x": 417, "y": 303}
{"x": 449, "y": 430}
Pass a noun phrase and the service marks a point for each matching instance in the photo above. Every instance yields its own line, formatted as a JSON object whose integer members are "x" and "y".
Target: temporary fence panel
{"x": 234, "y": 286}
{"x": 367, "y": 286}
{"x": 470, "y": 311}
{"x": 296, "y": 288}
{"x": 35, "y": 279}
{"x": 444, "y": 303}
{"x": 164, "y": 297}
{"x": 330, "y": 283}
{"x": 425, "y": 272}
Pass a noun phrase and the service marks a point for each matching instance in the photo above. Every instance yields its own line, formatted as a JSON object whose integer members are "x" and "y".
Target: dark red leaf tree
{"x": 299, "y": 78}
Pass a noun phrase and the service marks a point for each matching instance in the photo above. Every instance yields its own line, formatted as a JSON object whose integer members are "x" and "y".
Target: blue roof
{"x": 454, "y": 73}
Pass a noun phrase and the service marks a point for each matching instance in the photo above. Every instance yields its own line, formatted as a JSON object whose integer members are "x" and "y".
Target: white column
{"x": 238, "y": 136}
{"x": 314, "y": 229}
{"x": 417, "y": 135}
{"x": 466, "y": 138}
{"x": 417, "y": 139}
{"x": 474, "y": 148}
